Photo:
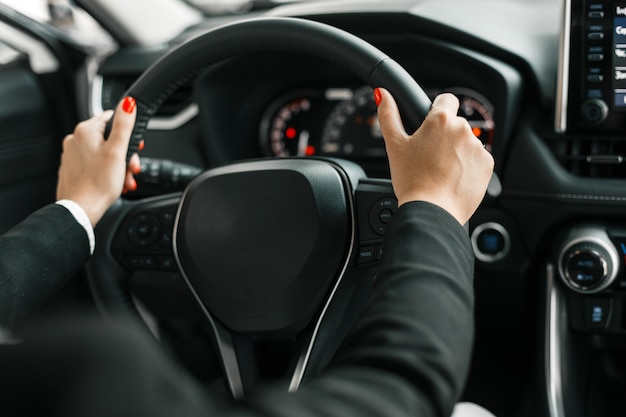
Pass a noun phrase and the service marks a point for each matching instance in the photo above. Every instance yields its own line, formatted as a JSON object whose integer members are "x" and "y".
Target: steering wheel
{"x": 270, "y": 249}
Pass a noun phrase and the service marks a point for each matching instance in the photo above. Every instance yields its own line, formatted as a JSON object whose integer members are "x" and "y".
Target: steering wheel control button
{"x": 367, "y": 254}
{"x": 143, "y": 230}
{"x": 491, "y": 242}
{"x": 141, "y": 261}
{"x": 588, "y": 260}
{"x": 381, "y": 213}
{"x": 597, "y": 312}
{"x": 167, "y": 216}
{"x": 385, "y": 216}
{"x": 165, "y": 238}
{"x": 167, "y": 263}
{"x": 145, "y": 239}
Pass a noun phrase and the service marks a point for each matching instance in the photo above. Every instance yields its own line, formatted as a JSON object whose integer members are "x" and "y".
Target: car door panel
{"x": 35, "y": 113}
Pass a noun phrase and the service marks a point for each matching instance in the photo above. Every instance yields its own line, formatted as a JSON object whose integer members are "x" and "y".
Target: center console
{"x": 585, "y": 353}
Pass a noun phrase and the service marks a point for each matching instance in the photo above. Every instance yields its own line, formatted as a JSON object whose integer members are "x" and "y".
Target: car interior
{"x": 242, "y": 288}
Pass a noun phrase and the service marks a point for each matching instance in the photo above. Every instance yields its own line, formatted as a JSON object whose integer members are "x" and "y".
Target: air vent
{"x": 591, "y": 157}
{"x": 114, "y": 86}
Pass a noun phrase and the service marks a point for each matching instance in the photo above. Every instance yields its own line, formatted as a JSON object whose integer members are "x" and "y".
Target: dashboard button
{"x": 588, "y": 260}
{"x": 594, "y": 93}
{"x": 597, "y": 312}
{"x": 595, "y": 111}
{"x": 586, "y": 269}
{"x": 490, "y": 241}
{"x": 595, "y": 57}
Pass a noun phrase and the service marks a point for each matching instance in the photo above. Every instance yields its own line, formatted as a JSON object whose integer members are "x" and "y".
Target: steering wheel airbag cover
{"x": 260, "y": 243}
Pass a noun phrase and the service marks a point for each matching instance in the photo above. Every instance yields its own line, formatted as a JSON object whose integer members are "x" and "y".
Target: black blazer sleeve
{"x": 409, "y": 353}
{"x": 37, "y": 257}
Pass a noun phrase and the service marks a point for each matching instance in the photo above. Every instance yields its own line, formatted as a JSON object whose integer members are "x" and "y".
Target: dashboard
{"x": 281, "y": 105}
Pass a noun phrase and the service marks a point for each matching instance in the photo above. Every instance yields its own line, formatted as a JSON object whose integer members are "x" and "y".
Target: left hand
{"x": 93, "y": 171}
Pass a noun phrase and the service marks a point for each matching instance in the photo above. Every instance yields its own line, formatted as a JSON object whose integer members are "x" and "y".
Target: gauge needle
{"x": 303, "y": 143}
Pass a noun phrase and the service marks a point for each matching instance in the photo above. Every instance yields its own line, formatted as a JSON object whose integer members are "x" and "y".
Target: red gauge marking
{"x": 290, "y": 133}
{"x": 310, "y": 150}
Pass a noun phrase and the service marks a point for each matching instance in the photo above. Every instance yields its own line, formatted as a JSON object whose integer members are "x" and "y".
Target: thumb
{"x": 123, "y": 123}
{"x": 388, "y": 115}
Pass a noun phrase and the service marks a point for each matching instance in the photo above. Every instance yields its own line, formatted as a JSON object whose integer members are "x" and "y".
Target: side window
{"x": 29, "y": 148}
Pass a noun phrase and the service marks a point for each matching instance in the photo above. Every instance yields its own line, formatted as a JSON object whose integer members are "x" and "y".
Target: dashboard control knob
{"x": 588, "y": 260}
{"x": 594, "y": 111}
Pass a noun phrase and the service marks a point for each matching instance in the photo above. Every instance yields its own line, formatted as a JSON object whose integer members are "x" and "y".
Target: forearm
{"x": 409, "y": 351}
{"x": 37, "y": 257}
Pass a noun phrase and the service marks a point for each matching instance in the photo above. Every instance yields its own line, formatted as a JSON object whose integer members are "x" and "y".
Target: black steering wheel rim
{"x": 196, "y": 55}
{"x": 260, "y": 35}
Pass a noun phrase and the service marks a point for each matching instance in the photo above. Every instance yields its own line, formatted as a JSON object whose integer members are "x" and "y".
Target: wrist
{"x": 82, "y": 218}
{"x": 446, "y": 203}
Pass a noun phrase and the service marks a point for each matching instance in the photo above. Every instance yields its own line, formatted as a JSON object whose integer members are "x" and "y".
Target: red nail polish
{"x": 142, "y": 145}
{"x": 378, "y": 97}
{"x": 128, "y": 105}
{"x": 133, "y": 186}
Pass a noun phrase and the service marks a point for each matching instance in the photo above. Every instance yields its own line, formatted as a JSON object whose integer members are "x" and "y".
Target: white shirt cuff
{"x": 82, "y": 219}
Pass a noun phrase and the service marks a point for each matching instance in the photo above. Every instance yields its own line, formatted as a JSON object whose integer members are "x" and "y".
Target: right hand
{"x": 443, "y": 162}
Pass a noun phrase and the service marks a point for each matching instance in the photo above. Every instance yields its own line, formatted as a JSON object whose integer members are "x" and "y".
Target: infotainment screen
{"x": 592, "y": 68}
{"x": 619, "y": 55}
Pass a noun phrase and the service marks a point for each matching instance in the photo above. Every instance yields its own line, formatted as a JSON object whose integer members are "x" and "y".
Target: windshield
{"x": 148, "y": 22}
{"x": 237, "y": 6}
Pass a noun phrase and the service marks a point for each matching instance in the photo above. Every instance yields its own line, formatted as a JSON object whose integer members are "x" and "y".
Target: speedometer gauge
{"x": 352, "y": 129}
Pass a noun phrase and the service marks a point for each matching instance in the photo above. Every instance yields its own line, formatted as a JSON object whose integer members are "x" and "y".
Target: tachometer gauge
{"x": 479, "y": 113}
{"x": 351, "y": 129}
{"x": 291, "y": 125}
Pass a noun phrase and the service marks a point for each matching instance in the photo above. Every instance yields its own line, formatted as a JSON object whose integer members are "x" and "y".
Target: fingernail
{"x": 378, "y": 97}
{"x": 142, "y": 145}
{"x": 136, "y": 169}
{"x": 128, "y": 105}
{"x": 132, "y": 186}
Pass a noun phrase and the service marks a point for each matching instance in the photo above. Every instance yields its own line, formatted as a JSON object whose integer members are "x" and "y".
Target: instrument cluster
{"x": 342, "y": 122}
